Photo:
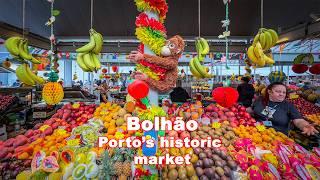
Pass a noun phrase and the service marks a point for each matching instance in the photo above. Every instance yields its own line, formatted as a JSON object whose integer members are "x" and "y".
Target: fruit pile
{"x": 214, "y": 164}
{"x": 9, "y": 169}
{"x": 261, "y": 136}
{"x": 314, "y": 118}
{"x": 114, "y": 118}
{"x": 236, "y": 115}
{"x": 305, "y": 107}
{"x": 6, "y": 101}
{"x": 75, "y": 115}
{"x": 180, "y": 171}
{"x": 222, "y": 131}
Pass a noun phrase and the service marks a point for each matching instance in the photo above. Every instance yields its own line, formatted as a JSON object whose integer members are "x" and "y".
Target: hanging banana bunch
{"x": 27, "y": 77}
{"x": 88, "y": 57}
{"x": 19, "y": 49}
{"x": 259, "y": 52}
{"x": 199, "y": 71}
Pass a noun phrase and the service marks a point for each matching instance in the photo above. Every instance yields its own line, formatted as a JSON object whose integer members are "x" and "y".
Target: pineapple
{"x": 107, "y": 166}
{"x": 118, "y": 168}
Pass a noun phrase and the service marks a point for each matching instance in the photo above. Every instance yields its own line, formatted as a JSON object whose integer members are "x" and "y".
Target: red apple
{"x": 246, "y": 115}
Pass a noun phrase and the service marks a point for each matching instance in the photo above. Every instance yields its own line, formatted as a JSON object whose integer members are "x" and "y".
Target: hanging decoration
{"x": 139, "y": 91}
{"x": 88, "y": 56}
{"x": 115, "y": 68}
{"x": 52, "y": 92}
{"x": 277, "y": 76}
{"x": 160, "y": 73}
{"x": 299, "y": 68}
{"x": 259, "y": 53}
{"x": 104, "y": 70}
{"x": 226, "y": 33}
{"x": 315, "y": 69}
{"x": 225, "y": 96}
{"x": 6, "y": 64}
{"x": 197, "y": 69}
{"x": 307, "y": 59}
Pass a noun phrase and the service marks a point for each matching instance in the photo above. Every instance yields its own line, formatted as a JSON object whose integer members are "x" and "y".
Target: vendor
{"x": 274, "y": 111}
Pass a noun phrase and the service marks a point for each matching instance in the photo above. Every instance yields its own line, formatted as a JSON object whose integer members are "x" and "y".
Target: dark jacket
{"x": 246, "y": 94}
{"x": 179, "y": 95}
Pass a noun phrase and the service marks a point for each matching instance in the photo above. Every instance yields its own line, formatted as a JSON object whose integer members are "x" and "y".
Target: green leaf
{"x": 55, "y": 12}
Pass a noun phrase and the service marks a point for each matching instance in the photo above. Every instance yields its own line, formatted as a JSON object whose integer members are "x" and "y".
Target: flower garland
{"x": 152, "y": 38}
{"x": 144, "y": 21}
{"x": 159, "y": 6}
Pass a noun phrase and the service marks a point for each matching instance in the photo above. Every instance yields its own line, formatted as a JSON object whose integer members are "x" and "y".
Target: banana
{"x": 88, "y": 62}
{"x": 96, "y": 61}
{"x": 252, "y": 55}
{"x": 261, "y": 62}
{"x": 88, "y": 47}
{"x": 81, "y": 63}
{"x": 274, "y": 36}
{"x": 22, "y": 75}
{"x": 205, "y": 46}
{"x": 269, "y": 40}
{"x": 256, "y": 39}
{"x": 98, "y": 42}
{"x": 193, "y": 70}
{"x": 34, "y": 77}
{"x": 258, "y": 50}
{"x": 268, "y": 60}
{"x": 201, "y": 69}
{"x": 12, "y": 45}
{"x": 199, "y": 47}
{"x": 23, "y": 53}
{"x": 262, "y": 40}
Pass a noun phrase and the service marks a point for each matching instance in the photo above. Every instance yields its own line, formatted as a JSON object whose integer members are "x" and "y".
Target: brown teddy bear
{"x": 165, "y": 68}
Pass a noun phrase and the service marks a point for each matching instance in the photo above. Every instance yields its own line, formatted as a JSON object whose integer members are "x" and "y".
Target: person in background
{"x": 16, "y": 83}
{"x": 274, "y": 111}
{"x": 246, "y": 92}
{"x": 179, "y": 94}
{"x": 103, "y": 87}
{"x": 1, "y": 84}
{"x": 81, "y": 83}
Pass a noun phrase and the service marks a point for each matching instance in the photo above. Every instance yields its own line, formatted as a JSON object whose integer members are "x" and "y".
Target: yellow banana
{"x": 261, "y": 61}
{"x": 268, "y": 40}
{"x": 23, "y": 76}
{"x": 268, "y": 60}
{"x": 252, "y": 55}
{"x": 96, "y": 61}
{"x": 88, "y": 47}
{"x": 81, "y": 63}
{"x": 199, "y": 47}
{"x": 88, "y": 62}
{"x": 98, "y": 42}
{"x": 193, "y": 70}
{"x": 23, "y": 50}
{"x": 12, "y": 45}
{"x": 274, "y": 36}
{"x": 262, "y": 40}
{"x": 205, "y": 46}
{"x": 201, "y": 69}
{"x": 258, "y": 50}
{"x": 256, "y": 39}
{"x": 34, "y": 77}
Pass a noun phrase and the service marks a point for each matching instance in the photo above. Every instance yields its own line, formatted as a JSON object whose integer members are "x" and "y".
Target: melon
{"x": 277, "y": 76}
{"x": 312, "y": 97}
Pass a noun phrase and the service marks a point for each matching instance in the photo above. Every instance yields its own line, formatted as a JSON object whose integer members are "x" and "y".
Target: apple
{"x": 184, "y": 135}
{"x": 173, "y": 133}
{"x": 220, "y": 113}
{"x": 246, "y": 115}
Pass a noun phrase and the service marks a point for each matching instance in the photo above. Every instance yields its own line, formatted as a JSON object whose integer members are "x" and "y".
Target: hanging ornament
{"x": 138, "y": 89}
{"x": 104, "y": 70}
{"x": 6, "y": 64}
{"x": 315, "y": 69}
{"x": 52, "y": 92}
{"x": 225, "y": 96}
{"x": 299, "y": 68}
{"x": 75, "y": 76}
{"x": 115, "y": 68}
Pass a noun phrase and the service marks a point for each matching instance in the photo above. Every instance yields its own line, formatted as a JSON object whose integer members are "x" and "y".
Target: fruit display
{"x": 75, "y": 115}
{"x": 121, "y": 162}
{"x": 88, "y": 55}
{"x": 305, "y": 107}
{"x": 26, "y": 76}
{"x": 261, "y": 136}
{"x": 10, "y": 168}
{"x": 198, "y": 70}
{"x": 236, "y": 115}
{"x": 114, "y": 118}
{"x": 214, "y": 163}
{"x": 18, "y": 48}
{"x": 6, "y": 101}
{"x": 267, "y": 38}
{"x": 52, "y": 93}
{"x": 216, "y": 130}
{"x": 309, "y": 94}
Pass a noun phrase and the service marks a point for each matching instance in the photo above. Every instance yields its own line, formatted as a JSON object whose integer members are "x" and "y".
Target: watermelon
{"x": 299, "y": 68}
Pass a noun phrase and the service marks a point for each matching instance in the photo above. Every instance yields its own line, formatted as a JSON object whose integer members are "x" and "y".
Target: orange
{"x": 112, "y": 131}
{"x": 194, "y": 116}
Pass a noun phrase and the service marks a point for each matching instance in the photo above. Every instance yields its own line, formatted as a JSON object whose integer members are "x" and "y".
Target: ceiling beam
{"x": 35, "y": 40}
{"x": 300, "y": 32}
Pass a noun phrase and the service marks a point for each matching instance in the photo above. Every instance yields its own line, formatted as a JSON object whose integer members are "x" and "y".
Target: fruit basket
{"x": 6, "y": 102}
